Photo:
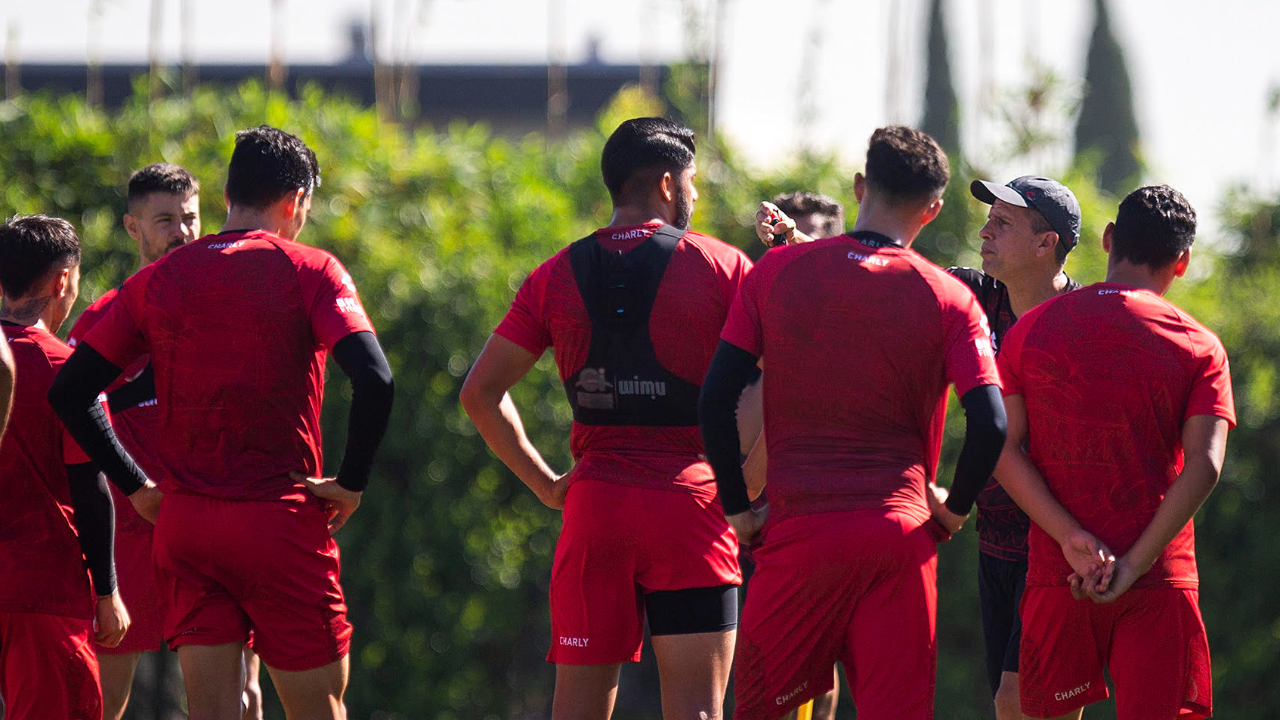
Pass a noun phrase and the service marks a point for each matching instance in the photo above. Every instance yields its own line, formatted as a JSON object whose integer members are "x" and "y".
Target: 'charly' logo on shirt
{"x": 1068, "y": 694}
{"x": 226, "y": 245}
{"x": 629, "y": 235}
{"x": 782, "y": 699}
{"x": 1126, "y": 293}
{"x": 870, "y": 259}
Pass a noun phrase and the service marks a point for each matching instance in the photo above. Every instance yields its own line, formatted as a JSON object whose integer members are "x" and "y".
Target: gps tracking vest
{"x": 622, "y": 382}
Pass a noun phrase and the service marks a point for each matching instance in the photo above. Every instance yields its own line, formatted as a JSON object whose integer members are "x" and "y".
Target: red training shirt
{"x": 137, "y": 427}
{"x": 42, "y": 569}
{"x": 691, "y": 304}
{"x": 1109, "y": 374}
{"x": 859, "y": 346}
{"x": 237, "y": 325}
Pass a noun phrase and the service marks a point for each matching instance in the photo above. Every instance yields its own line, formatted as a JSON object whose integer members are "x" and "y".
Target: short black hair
{"x": 906, "y": 164}
{"x": 160, "y": 178}
{"x": 1154, "y": 226}
{"x": 827, "y": 213}
{"x": 31, "y": 246}
{"x": 644, "y": 144}
{"x": 269, "y": 164}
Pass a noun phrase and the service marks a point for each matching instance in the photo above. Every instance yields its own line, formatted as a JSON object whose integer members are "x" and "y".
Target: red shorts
{"x": 857, "y": 586}
{"x": 136, "y": 577}
{"x": 1152, "y": 640}
{"x": 619, "y": 542}
{"x": 227, "y": 567}
{"x": 47, "y": 668}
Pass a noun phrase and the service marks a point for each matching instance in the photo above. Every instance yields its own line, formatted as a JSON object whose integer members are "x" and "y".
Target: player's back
{"x": 689, "y": 307}
{"x": 40, "y": 560}
{"x": 239, "y": 370}
{"x": 855, "y": 345}
{"x": 1109, "y": 374}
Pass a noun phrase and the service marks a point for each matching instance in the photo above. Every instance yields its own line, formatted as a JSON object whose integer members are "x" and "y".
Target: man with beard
{"x": 162, "y": 213}
{"x": 633, "y": 312}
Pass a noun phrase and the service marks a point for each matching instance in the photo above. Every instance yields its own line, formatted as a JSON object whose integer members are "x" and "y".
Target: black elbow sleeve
{"x": 74, "y": 397}
{"x": 372, "y": 395}
{"x": 730, "y": 370}
{"x": 985, "y": 430}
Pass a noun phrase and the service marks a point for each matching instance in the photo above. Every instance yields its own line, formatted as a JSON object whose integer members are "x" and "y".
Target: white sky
{"x": 1201, "y": 70}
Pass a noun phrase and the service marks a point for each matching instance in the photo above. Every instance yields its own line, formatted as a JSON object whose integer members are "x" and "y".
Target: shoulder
{"x": 949, "y": 288}
{"x": 1201, "y": 340}
{"x": 303, "y": 256}
{"x": 91, "y": 316}
{"x": 716, "y": 251}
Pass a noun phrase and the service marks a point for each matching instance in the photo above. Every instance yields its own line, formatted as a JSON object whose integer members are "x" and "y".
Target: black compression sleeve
{"x": 984, "y": 432}
{"x": 133, "y": 393}
{"x": 372, "y": 392}
{"x": 731, "y": 369}
{"x": 74, "y": 396}
{"x": 95, "y": 518}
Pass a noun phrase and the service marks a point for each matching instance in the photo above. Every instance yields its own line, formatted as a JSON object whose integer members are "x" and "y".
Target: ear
{"x": 931, "y": 211}
{"x": 1106, "y": 237}
{"x": 1182, "y": 263}
{"x": 226, "y": 199}
{"x": 61, "y": 282}
{"x": 290, "y": 205}
{"x": 667, "y": 186}
{"x": 859, "y": 186}
{"x": 1047, "y": 242}
{"x": 133, "y": 226}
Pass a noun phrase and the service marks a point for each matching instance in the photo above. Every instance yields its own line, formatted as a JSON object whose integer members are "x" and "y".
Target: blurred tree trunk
{"x": 941, "y": 109}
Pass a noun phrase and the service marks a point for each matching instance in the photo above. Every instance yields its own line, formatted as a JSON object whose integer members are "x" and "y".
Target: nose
{"x": 985, "y": 233}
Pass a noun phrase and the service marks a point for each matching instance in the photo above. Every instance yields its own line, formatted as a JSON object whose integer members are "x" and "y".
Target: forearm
{"x": 754, "y": 469}
{"x": 498, "y": 422}
{"x": 74, "y": 396}
{"x": 730, "y": 370}
{"x": 372, "y": 394}
{"x": 1022, "y": 480}
{"x": 95, "y": 521}
{"x": 1184, "y": 497}
{"x": 984, "y": 436}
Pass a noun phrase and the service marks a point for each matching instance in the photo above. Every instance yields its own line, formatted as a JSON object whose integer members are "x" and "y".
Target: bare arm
{"x": 1022, "y": 480}
{"x": 6, "y": 385}
{"x": 1204, "y": 445}
{"x": 774, "y": 227}
{"x": 501, "y": 365}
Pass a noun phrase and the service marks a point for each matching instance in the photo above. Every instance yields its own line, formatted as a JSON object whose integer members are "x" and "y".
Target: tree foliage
{"x": 447, "y": 562}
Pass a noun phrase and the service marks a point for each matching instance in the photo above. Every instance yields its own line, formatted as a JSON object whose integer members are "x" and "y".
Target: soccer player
{"x": 1125, "y": 401}
{"x": 861, "y": 338}
{"x": 800, "y": 217}
{"x": 633, "y": 312}
{"x": 57, "y": 516}
{"x": 237, "y": 326}
{"x": 162, "y": 213}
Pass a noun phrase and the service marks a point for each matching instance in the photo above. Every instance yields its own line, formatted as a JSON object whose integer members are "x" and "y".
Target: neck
{"x": 1123, "y": 272}
{"x": 627, "y": 214}
{"x": 1025, "y": 295}
{"x": 875, "y": 217}
{"x": 241, "y": 218}
{"x": 28, "y": 312}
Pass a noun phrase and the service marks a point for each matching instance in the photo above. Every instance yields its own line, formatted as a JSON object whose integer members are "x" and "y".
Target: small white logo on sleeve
{"x": 574, "y": 641}
{"x": 1073, "y": 692}
{"x": 349, "y": 305}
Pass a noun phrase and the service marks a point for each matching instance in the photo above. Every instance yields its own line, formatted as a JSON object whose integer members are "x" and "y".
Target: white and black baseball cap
{"x": 1053, "y": 200}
